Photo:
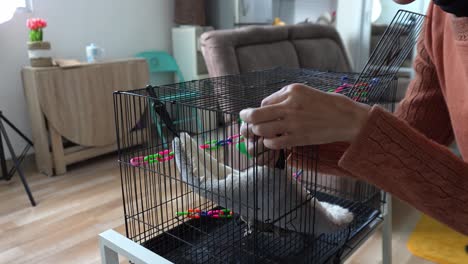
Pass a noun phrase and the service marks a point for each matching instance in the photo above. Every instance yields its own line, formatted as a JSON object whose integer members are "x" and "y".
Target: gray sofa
{"x": 298, "y": 46}
{"x": 256, "y": 48}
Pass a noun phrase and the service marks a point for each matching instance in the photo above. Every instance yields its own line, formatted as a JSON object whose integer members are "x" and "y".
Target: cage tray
{"x": 209, "y": 240}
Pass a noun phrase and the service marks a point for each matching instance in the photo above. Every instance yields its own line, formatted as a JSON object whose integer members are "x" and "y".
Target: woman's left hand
{"x": 298, "y": 115}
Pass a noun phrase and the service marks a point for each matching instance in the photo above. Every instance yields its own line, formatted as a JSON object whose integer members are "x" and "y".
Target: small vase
{"x": 35, "y": 35}
{"x": 39, "y": 54}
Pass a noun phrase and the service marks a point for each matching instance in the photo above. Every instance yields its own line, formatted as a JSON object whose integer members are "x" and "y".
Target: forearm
{"x": 323, "y": 158}
{"x": 329, "y": 154}
{"x": 395, "y": 157}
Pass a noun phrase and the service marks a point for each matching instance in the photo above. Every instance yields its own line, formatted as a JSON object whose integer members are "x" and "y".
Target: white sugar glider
{"x": 278, "y": 196}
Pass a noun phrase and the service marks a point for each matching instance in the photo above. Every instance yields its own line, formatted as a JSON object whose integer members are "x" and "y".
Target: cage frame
{"x": 367, "y": 74}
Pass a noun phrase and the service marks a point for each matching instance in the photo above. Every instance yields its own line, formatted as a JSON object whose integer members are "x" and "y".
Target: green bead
{"x": 153, "y": 158}
{"x": 243, "y": 149}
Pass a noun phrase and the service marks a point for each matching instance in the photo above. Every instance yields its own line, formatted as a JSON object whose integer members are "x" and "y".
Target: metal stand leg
{"x": 3, "y": 161}
{"x": 16, "y": 162}
{"x": 16, "y": 129}
{"x": 387, "y": 232}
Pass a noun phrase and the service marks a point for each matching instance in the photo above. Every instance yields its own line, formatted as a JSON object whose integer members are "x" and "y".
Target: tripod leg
{"x": 3, "y": 160}
{"x": 17, "y": 164}
{"x": 15, "y": 129}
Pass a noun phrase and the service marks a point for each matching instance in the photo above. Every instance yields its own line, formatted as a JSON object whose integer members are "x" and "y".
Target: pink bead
{"x": 339, "y": 89}
{"x": 137, "y": 161}
{"x": 165, "y": 159}
{"x": 234, "y": 136}
{"x": 164, "y": 152}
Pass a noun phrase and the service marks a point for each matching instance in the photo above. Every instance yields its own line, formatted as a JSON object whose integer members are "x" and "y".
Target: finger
{"x": 262, "y": 114}
{"x": 263, "y": 156}
{"x": 269, "y": 129}
{"x": 254, "y": 147}
{"x": 246, "y": 131}
{"x": 260, "y": 150}
{"x": 276, "y": 98}
{"x": 284, "y": 141}
{"x": 268, "y": 157}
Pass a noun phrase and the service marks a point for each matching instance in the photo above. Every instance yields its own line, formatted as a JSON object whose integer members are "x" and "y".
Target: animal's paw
{"x": 248, "y": 230}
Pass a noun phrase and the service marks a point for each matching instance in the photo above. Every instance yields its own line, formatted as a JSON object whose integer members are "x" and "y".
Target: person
{"x": 404, "y": 153}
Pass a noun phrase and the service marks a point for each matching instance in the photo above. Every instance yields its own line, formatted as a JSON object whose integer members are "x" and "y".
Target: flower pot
{"x": 35, "y": 35}
{"x": 39, "y": 54}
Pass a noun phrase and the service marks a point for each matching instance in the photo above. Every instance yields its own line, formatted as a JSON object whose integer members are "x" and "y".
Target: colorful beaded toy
{"x": 297, "y": 175}
{"x": 197, "y": 213}
{"x": 215, "y": 144}
{"x": 167, "y": 155}
{"x": 161, "y": 156}
{"x": 363, "y": 88}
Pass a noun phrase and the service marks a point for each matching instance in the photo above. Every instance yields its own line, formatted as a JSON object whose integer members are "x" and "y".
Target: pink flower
{"x": 36, "y": 23}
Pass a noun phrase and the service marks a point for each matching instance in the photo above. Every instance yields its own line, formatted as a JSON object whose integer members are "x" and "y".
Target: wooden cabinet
{"x": 76, "y": 104}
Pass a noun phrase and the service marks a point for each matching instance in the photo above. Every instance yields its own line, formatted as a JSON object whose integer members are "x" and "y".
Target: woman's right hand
{"x": 256, "y": 148}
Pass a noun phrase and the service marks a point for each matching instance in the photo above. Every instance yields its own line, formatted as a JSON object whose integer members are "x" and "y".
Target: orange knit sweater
{"x": 406, "y": 154}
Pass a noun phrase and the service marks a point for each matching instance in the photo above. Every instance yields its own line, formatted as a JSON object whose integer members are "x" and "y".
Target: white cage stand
{"x": 113, "y": 244}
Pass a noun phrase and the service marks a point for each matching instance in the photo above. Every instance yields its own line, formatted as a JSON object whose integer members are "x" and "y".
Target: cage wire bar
{"x": 192, "y": 195}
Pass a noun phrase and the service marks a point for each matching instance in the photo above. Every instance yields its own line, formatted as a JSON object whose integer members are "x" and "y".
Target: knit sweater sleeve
{"x": 424, "y": 107}
{"x": 404, "y": 154}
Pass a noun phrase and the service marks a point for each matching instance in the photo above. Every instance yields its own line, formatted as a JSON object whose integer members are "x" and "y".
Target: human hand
{"x": 298, "y": 115}
{"x": 256, "y": 148}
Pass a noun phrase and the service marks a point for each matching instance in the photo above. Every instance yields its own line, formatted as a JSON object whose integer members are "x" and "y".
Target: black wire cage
{"x": 193, "y": 194}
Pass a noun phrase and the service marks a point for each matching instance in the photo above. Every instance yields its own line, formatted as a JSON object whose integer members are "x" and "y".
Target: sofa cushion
{"x": 322, "y": 53}
{"x": 267, "y": 56}
{"x": 251, "y": 35}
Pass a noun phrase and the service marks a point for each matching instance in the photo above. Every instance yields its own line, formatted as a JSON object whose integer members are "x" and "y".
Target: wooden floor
{"x": 404, "y": 220}
{"x": 74, "y": 208}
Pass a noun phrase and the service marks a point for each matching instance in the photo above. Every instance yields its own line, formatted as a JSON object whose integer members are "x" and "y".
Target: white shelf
{"x": 187, "y": 51}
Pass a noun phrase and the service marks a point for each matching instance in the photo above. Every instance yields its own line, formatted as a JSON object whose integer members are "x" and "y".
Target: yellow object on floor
{"x": 436, "y": 242}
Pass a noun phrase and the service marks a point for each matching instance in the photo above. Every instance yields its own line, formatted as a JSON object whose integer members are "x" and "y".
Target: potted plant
{"x": 38, "y": 50}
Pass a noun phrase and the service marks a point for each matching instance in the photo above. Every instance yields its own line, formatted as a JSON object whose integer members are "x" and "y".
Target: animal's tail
{"x": 331, "y": 217}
